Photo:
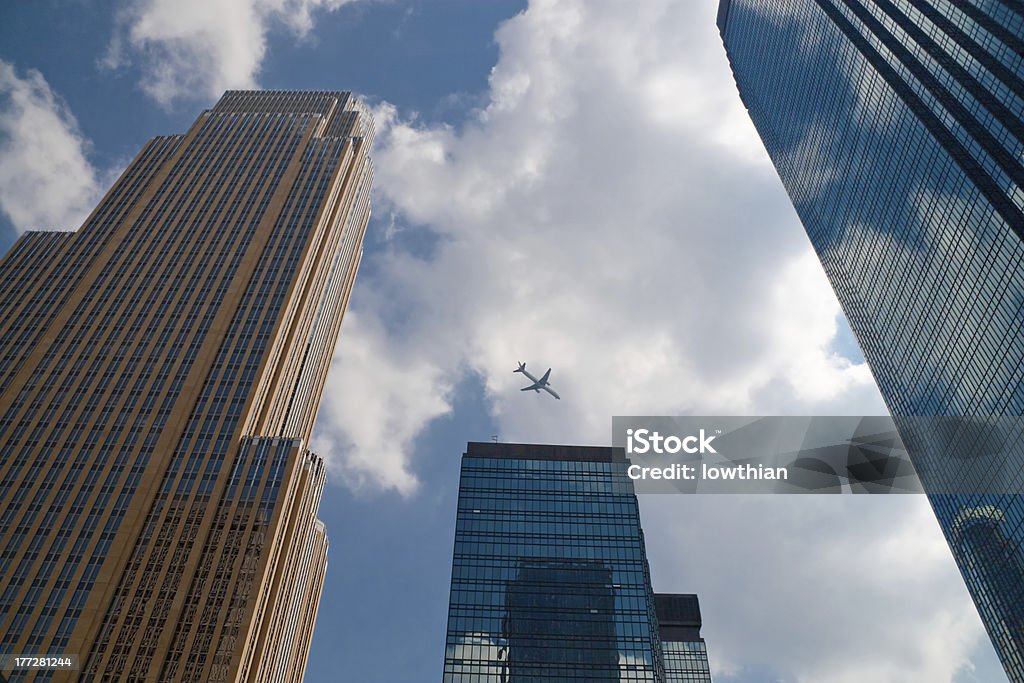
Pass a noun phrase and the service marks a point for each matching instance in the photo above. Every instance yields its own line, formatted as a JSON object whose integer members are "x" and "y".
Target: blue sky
{"x": 571, "y": 183}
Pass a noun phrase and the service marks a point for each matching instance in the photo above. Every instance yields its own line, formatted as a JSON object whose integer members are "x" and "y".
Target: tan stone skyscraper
{"x": 160, "y": 373}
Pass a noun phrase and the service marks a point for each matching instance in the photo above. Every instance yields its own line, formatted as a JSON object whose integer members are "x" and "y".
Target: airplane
{"x": 538, "y": 384}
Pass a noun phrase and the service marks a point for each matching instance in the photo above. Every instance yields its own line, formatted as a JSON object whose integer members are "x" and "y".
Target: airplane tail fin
{"x": 521, "y": 368}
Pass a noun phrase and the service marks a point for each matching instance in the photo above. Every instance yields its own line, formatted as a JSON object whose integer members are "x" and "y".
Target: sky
{"x": 570, "y": 183}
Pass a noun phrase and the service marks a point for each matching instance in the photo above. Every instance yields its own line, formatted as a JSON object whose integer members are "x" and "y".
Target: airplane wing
{"x": 538, "y": 384}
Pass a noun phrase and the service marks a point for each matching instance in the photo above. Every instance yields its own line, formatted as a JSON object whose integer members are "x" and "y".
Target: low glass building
{"x": 682, "y": 649}
{"x": 549, "y": 575}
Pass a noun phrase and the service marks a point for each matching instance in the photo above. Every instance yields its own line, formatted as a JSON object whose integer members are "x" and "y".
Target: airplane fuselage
{"x": 538, "y": 384}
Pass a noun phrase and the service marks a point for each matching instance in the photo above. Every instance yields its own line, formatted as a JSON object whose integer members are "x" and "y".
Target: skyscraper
{"x": 549, "y": 574}
{"x": 896, "y": 127}
{"x": 682, "y": 648}
{"x": 161, "y": 370}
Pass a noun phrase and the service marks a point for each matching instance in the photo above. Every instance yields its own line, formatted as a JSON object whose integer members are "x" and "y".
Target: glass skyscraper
{"x": 682, "y": 649}
{"x": 896, "y": 127}
{"x": 160, "y": 371}
{"x": 549, "y": 576}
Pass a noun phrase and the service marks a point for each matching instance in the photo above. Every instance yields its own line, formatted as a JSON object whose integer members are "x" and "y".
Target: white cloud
{"x": 370, "y": 414}
{"x": 475, "y": 648}
{"x": 611, "y": 213}
{"x": 203, "y": 47}
{"x": 816, "y": 589}
{"x": 46, "y": 180}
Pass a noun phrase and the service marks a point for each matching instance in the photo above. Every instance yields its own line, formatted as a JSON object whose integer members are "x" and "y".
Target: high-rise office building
{"x": 161, "y": 370}
{"x": 549, "y": 574}
{"x": 682, "y": 649}
{"x": 896, "y": 127}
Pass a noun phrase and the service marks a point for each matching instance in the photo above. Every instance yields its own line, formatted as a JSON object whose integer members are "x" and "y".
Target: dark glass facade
{"x": 549, "y": 578}
{"x": 682, "y": 649}
{"x": 896, "y": 127}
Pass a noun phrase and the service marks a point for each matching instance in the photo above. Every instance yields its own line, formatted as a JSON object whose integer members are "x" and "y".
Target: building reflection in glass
{"x": 996, "y": 566}
{"x": 560, "y": 613}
